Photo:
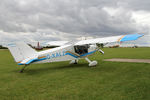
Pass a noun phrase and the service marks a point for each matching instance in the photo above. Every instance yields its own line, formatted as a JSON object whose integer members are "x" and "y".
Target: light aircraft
{"x": 25, "y": 55}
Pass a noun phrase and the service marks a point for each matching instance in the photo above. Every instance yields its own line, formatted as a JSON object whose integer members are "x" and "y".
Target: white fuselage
{"x": 63, "y": 53}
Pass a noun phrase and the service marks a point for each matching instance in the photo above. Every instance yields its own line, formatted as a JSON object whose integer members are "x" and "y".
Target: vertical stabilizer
{"x": 21, "y": 51}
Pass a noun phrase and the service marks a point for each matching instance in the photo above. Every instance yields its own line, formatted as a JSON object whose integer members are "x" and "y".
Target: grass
{"x": 61, "y": 81}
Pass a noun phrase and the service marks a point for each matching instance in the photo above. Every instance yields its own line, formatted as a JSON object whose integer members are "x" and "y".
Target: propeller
{"x": 98, "y": 47}
{"x": 101, "y": 51}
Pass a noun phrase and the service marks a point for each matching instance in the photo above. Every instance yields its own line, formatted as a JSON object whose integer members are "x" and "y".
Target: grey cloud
{"x": 67, "y": 17}
{"x": 135, "y": 4}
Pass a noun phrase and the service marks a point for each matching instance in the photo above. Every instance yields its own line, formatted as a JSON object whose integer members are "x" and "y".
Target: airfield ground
{"x": 61, "y": 81}
{"x": 128, "y": 60}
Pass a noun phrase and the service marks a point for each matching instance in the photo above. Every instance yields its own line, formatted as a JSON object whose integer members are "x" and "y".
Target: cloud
{"x": 46, "y": 20}
{"x": 135, "y": 4}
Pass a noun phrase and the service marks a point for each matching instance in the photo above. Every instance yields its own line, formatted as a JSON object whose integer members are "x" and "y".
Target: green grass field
{"x": 61, "y": 81}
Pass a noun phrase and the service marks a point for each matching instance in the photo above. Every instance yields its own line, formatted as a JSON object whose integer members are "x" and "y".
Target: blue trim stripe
{"x": 20, "y": 64}
{"x": 32, "y": 60}
{"x": 81, "y": 55}
{"x": 131, "y": 37}
{"x": 72, "y": 55}
{"x": 11, "y": 45}
{"x": 40, "y": 59}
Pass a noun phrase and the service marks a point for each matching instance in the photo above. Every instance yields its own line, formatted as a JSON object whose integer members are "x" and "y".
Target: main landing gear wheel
{"x": 74, "y": 61}
{"x": 93, "y": 63}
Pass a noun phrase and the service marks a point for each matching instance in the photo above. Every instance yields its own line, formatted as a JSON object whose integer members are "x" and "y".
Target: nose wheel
{"x": 91, "y": 63}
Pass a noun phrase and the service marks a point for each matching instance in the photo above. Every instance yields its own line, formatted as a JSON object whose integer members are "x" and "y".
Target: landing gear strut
{"x": 74, "y": 61}
{"x": 91, "y": 63}
{"x": 21, "y": 71}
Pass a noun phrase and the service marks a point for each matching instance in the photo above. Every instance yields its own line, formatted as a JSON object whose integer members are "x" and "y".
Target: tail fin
{"x": 21, "y": 51}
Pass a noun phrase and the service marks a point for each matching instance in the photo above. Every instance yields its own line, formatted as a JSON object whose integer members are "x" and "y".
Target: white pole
{"x": 88, "y": 60}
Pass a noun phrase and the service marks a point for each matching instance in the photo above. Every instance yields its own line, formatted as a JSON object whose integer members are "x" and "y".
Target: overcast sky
{"x": 47, "y": 20}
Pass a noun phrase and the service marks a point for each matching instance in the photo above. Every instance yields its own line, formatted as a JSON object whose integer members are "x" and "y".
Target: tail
{"x": 21, "y": 51}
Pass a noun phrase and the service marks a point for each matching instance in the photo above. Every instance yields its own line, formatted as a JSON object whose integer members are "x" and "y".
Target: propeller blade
{"x": 101, "y": 51}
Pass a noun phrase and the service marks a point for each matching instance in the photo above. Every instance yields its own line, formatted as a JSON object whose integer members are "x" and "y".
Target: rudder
{"x": 21, "y": 51}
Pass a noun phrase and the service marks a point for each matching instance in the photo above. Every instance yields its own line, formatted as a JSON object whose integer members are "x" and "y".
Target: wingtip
{"x": 131, "y": 37}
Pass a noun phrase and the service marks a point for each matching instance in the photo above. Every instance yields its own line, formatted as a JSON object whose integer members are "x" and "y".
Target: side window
{"x": 81, "y": 49}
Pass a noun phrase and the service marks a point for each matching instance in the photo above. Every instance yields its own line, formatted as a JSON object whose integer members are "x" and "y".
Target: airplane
{"x": 25, "y": 55}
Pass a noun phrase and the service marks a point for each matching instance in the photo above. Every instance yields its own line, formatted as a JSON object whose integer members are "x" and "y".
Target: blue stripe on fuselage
{"x": 81, "y": 55}
{"x": 88, "y": 53}
{"x": 32, "y": 60}
{"x": 72, "y": 55}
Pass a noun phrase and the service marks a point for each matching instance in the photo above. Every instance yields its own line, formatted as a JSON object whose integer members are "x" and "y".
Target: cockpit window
{"x": 82, "y": 49}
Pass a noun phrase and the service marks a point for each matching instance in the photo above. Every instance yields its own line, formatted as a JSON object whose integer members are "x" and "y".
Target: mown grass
{"x": 61, "y": 81}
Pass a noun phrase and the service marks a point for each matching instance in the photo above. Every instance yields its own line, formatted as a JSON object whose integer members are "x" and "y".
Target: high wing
{"x": 120, "y": 38}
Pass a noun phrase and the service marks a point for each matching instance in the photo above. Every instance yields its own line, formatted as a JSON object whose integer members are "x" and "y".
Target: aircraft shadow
{"x": 31, "y": 71}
